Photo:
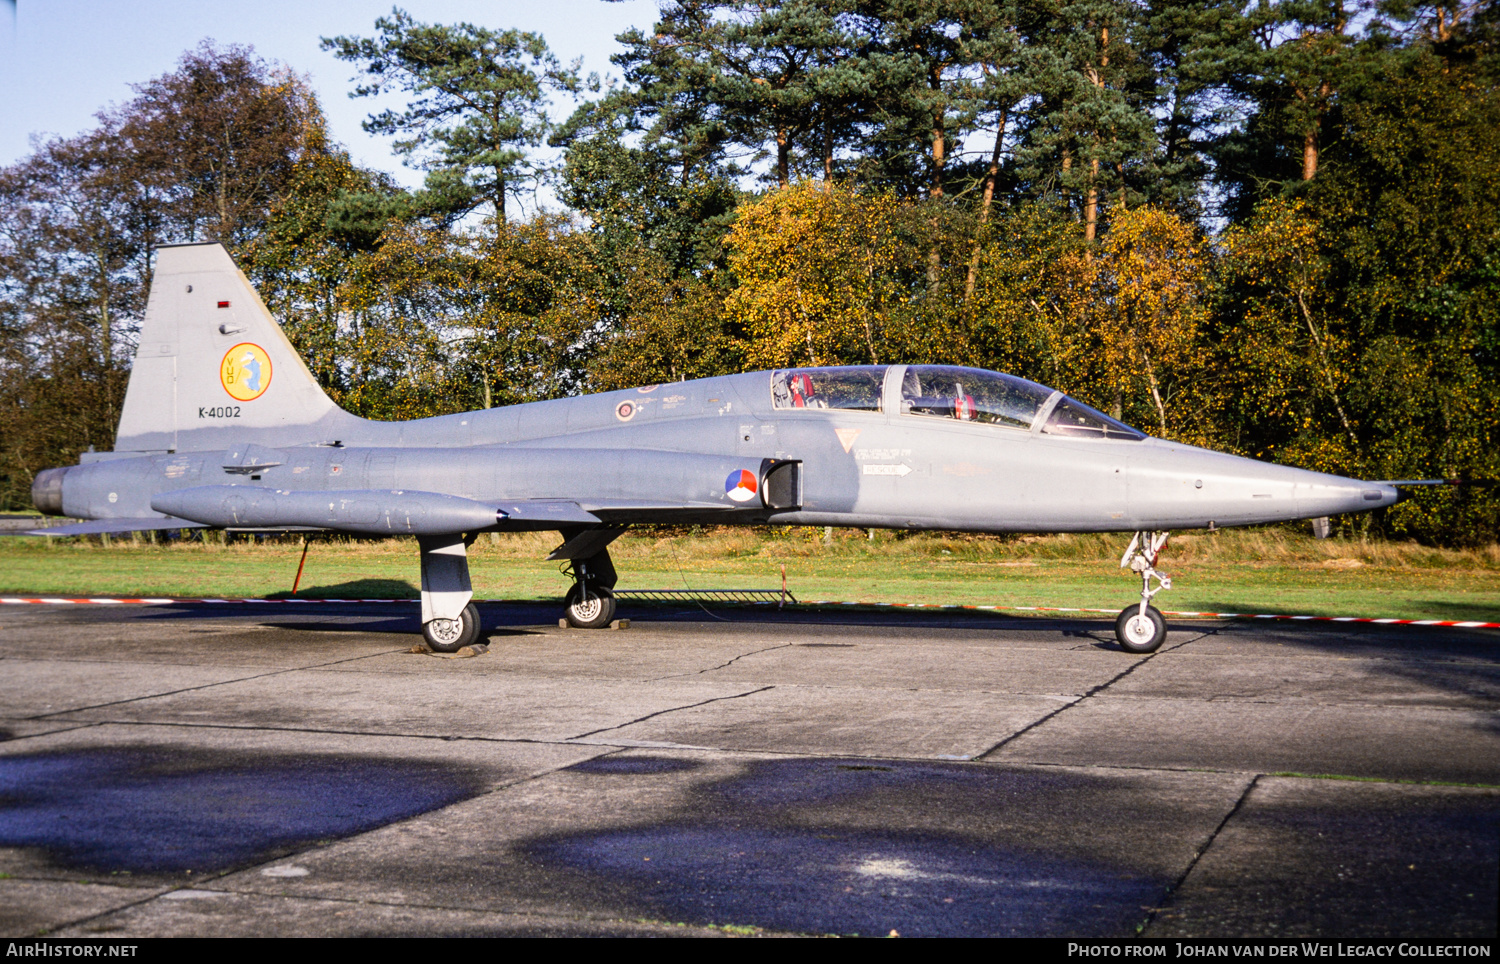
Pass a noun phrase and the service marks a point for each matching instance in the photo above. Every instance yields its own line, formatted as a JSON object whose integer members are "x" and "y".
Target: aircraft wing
{"x": 388, "y": 513}
{"x": 110, "y": 527}
{"x": 393, "y": 512}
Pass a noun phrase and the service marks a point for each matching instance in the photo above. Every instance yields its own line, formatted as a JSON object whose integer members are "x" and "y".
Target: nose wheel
{"x": 1140, "y": 632}
{"x": 1141, "y": 628}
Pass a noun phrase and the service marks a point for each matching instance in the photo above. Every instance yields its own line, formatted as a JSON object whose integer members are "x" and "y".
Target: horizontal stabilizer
{"x": 112, "y": 527}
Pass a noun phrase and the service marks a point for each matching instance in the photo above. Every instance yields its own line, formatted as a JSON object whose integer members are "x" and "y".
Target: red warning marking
{"x": 1460, "y": 623}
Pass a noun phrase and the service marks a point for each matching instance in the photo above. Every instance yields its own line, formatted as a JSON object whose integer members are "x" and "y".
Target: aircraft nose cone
{"x": 1173, "y": 485}
{"x": 1323, "y": 495}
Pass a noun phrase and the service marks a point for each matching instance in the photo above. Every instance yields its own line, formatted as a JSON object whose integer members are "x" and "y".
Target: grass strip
{"x": 1241, "y": 571}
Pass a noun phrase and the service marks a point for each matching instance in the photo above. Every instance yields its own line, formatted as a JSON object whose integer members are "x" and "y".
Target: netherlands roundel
{"x": 740, "y": 486}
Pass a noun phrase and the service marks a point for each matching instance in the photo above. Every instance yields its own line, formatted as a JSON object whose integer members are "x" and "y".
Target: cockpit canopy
{"x": 949, "y": 392}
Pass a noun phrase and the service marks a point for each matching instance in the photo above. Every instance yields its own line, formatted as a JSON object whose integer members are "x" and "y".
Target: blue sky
{"x": 61, "y": 61}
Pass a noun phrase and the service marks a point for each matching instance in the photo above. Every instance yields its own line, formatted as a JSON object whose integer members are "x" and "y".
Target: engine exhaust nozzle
{"x": 47, "y": 491}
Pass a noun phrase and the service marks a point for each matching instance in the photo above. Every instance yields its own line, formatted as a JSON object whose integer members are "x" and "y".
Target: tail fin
{"x": 213, "y": 367}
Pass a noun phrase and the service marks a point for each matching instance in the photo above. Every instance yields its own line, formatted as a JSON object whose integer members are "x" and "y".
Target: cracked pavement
{"x": 294, "y": 770}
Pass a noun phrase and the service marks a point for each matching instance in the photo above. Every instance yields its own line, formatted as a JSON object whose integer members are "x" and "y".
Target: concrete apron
{"x": 177, "y": 771}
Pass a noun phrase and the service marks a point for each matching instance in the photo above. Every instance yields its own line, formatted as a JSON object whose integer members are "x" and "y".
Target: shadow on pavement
{"x": 791, "y": 845}
{"x": 143, "y": 809}
{"x": 357, "y": 589}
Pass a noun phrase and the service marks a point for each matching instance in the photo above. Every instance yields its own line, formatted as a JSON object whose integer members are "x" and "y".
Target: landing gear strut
{"x": 1141, "y": 628}
{"x": 450, "y": 620}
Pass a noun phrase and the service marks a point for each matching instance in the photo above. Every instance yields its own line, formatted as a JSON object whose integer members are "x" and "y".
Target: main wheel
{"x": 590, "y": 608}
{"x": 1140, "y": 634}
{"x": 452, "y": 635}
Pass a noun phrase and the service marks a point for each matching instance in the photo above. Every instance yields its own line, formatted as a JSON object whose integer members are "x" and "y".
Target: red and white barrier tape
{"x": 1465, "y": 624}
{"x": 163, "y": 601}
{"x": 146, "y": 601}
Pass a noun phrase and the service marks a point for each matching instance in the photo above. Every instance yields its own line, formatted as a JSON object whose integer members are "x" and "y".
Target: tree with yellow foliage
{"x": 1133, "y": 307}
{"x": 813, "y": 264}
{"x": 1289, "y": 365}
{"x": 828, "y": 276}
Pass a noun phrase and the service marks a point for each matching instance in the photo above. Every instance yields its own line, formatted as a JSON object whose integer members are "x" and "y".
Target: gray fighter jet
{"x": 224, "y": 426}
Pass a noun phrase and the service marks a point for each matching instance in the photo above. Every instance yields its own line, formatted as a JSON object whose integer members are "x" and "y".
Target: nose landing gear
{"x": 1141, "y": 628}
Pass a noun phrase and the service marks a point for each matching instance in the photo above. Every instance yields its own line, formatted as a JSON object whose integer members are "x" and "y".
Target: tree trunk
{"x": 223, "y": 205}
{"x": 106, "y": 325}
{"x": 1310, "y": 139}
{"x": 1161, "y": 408}
{"x": 827, "y": 146}
{"x": 1309, "y": 155}
{"x": 783, "y": 158}
{"x": 991, "y": 175}
{"x": 1091, "y": 203}
{"x": 939, "y": 158}
{"x": 1333, "y": 395}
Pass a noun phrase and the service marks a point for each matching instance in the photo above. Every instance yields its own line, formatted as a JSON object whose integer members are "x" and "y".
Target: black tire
{"x": 452, "y": 635}
{"x": 1140, "y": 635}
{"x": 592, "y": 610}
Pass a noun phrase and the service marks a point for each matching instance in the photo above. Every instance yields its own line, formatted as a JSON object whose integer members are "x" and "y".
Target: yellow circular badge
{"x": 245, "y": 372}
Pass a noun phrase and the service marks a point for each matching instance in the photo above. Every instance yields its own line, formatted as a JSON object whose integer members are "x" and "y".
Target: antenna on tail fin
{"x": 213, "y": 367}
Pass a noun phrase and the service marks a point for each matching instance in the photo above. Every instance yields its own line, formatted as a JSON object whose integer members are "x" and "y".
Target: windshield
{"x": 856, "y": 388}
{"x": 1073, "y": 418}
{"x": 971, "y": 395}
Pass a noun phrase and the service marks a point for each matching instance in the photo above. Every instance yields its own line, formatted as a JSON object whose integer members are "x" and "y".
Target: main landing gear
{"x": 589, "y": 607}
{"x": 452, "y": 635}
{"x": 450, "y": 620}
{"x": 1141, "y": 628}
{"x": 590, "y": 604}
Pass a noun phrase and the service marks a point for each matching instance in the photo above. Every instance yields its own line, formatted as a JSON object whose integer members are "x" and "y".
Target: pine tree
{"x": 479, "y": 101}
